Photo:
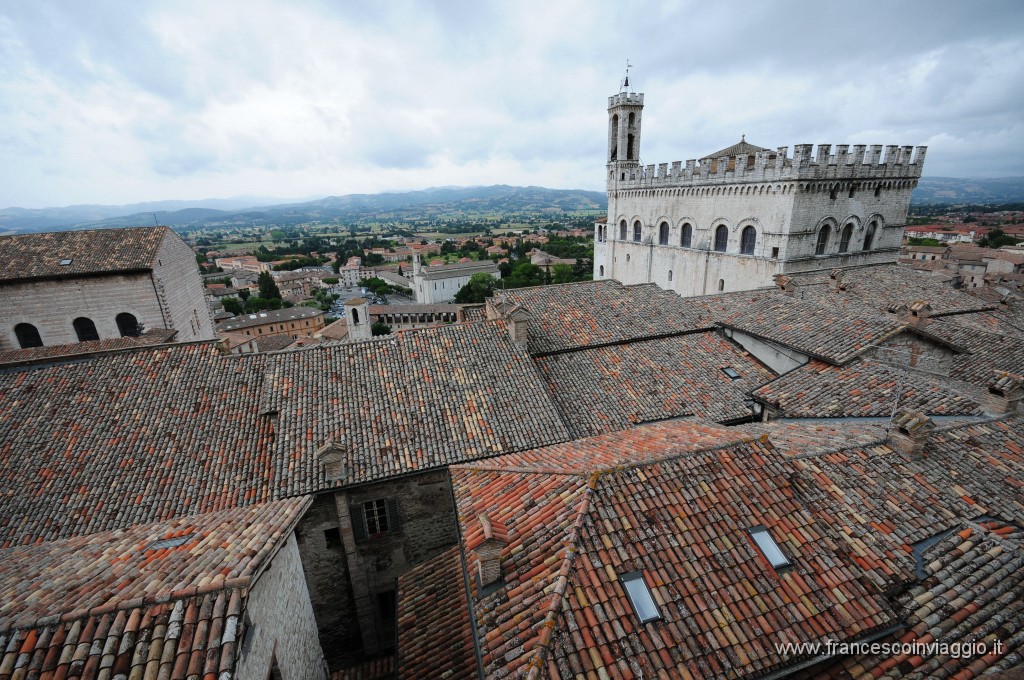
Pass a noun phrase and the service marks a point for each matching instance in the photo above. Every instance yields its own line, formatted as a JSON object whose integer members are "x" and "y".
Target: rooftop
{"x": 269, "y": 316}
{"x": 67, "y": 254}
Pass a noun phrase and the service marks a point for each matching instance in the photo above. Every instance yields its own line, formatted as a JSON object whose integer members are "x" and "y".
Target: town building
{"x": 245, "y": 263}
{"x": 292, "y": 322}
{"x": 737, "y": 217}
{"x": 440, "y": 282}
{"x": 69, "y": 287}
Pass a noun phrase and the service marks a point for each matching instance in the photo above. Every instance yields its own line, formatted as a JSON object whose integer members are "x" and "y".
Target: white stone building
{"x": 737, "y": 217}
{"x": 74, "y": 286}
{"x": 440, "y": 283}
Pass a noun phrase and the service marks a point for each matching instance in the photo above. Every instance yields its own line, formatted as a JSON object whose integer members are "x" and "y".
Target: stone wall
{"x": 51, "y": 306}
{"x": 351, "y": 579}
{"x": 180, "y": 289}
{"x": 281, "y": 627}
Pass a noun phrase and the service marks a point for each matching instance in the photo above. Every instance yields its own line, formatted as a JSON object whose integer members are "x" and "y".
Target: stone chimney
{"x": 487, "y": 547}
{"x": 786, "y": 283}
{"x": 332, "y": 456}
{"x": 836, "y": 282}
{"x": 1004, "y": 394}
{"x": 518, "y": 322}
{"x": 497, "y": 307}
{"x": 911, "y": 431}
{"x": 919, "y": 314}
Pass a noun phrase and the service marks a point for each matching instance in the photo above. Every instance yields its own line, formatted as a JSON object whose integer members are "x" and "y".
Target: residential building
{"x": 292, "y": 322}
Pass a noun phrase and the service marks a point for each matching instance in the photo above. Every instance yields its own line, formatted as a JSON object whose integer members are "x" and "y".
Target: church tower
{"x": 624, "y": 112}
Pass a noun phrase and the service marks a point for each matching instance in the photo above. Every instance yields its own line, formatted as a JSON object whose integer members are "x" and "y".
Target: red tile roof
{"x": 14, "y": 357}
{"x": 435, "y": 639}
{"x": 94, "y": 251}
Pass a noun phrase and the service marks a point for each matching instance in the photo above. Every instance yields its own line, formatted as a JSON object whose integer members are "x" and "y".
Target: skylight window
{"x": 769, "y": 547}
{"x": 171, "y": 542}
{"x": 640, "y": 597}
{"x": 731, "y": 373}
{"x": 65, "y": 262}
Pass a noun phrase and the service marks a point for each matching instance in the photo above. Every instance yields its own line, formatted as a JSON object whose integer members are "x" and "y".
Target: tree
{"x": 233, "y": 305}
{"x": 562, "y": 273}
{"x": 268, "y": 287}
{"x": 380, "y": 328}
{"x": 479, "y": 287}
{"x": 243, "y": 294}
{"x": 400, "y": 270}
{"x": 331, "y": 281}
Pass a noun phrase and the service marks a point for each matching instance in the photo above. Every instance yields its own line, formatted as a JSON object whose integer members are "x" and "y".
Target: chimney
{"x": 518, "y": 321}
{"x": 836, "y": 283}
{"x": 487, "y": 547}
{"x": 919, "y": 314}
{"x": 912, "y": 429}
{"x": 1004, "y": 394}
{"x": 332, "y": 457}
{"x": 786, "y": 283}
{"x": 497, "y": 307}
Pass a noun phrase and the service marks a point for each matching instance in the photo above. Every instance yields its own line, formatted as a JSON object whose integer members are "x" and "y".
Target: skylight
{"x": 640, "y": 597}
{"x": 65, "y": 262}
{"x": 769, "y": 547}
{"x": 171, "y": 542}
{"x": 731, "y": 372}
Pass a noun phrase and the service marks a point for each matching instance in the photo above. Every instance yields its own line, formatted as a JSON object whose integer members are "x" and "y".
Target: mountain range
{"x": 456, "y": 203}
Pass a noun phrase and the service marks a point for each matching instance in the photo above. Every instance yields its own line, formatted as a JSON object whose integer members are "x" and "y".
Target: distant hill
{"x": 441, "y": 202}
{"x": 956, "y": 191}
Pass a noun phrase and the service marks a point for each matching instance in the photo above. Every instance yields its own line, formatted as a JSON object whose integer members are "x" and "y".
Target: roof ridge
{"x": 554, "y": 607}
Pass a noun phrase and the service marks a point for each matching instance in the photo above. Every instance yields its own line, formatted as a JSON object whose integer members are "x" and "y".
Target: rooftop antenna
{"x": 624, "y": 86}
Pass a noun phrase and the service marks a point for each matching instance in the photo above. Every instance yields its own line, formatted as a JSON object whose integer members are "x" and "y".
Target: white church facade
{"x": 737, "y": 217}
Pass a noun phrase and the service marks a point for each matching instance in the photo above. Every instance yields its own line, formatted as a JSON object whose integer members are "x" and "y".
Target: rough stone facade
{"x": 170, "y": 296}
{"x": 351, "y": 575}
{"x": 682, "y": 227}
{"x": 281, "y": 635}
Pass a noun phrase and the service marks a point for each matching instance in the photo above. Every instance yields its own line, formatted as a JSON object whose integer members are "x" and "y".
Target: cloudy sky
{"x": 120, "y": 101}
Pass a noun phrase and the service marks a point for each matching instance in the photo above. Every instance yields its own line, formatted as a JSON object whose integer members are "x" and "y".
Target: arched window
{"x": 615, "y": 138}
{"x": 747, "y": 240}
{"x": 844, "y": 241}
{"x": 85, "y": 329}
{"x": 622, "y": 230}
{"x": 721, "y": 285}
{"x": 28, "y": 335}
{"x": 127, "y": 325}
{"x": 669, "y": 274}
{"x": 721, "y": 238}
{"x": 636, "y": 230}
{"x": 687, "y": 236}
{"x": 600, "y": 271}
{"x": 869, "y": 235}
{"x": 822, "y": 244}
{"x": 355, "y": 316}
{"x": 663, "y": 234}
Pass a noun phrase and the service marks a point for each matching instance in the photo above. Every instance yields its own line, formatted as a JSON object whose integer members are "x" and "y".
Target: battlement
{"x": 634, "y": 98}
{"x": 862, "y": 163}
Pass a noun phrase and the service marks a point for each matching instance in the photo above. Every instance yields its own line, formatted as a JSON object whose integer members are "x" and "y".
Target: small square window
{"x": 769, "y": 547}
{"x": 640, "y": 597}
{"x": 333, "y": 537}
{"x": 731, "y": 373}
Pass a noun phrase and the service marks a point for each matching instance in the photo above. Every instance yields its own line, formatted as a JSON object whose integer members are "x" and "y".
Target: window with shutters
{"x": 374, "y": 518}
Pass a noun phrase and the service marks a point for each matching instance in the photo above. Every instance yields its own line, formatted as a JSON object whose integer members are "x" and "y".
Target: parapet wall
{"x": 862, "y": 163}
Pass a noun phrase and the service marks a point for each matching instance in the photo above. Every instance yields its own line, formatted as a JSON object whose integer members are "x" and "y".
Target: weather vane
{"x": 625, "y": 82}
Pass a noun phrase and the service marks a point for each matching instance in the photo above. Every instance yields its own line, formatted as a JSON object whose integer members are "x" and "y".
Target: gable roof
{"x": 651, "y": 500}
{"x": 741, "y": 148}
{"x": 864, "y": 388}
{"x": 25, "y": 257}
{"x": 623, "y": 385}
{"x": 99, "y": 444}
{"x": 164, "y": 600}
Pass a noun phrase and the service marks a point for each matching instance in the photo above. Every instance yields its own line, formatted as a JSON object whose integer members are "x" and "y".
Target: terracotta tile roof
{"x": 803, "y": 437}
{"x": 269, "y": 316}
{"x": 272, "y": 343}
{"x": 434, "y": 635}
{"x": 679, "y": 517}
{"x": 98, "y": 444}
{"x": 863, "y": 388}
{"x": 12, "y": 357}
{"x": 880, "y": 287}
{"x": 821, "y": 331}
{"x": 138, "y": 602}
{"x": 640, "y": 382}
{"x": 882, "y": 501}
{"x": 989, "y": 351}
{"x": 973, "y": 592}
{"x": 94, "y": 251}
{"x": 337, "y": 330}
{"x": 594, "y": 313}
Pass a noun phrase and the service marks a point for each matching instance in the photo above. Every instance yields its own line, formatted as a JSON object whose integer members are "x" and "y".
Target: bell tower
{"x": 624, "y": 112}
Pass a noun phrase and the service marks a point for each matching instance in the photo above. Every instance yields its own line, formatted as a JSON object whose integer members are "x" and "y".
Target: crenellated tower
{"x": 625, "y": 111}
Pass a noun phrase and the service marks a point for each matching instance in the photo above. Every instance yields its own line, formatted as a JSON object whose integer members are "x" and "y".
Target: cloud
{"x": 118, "y": 101}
